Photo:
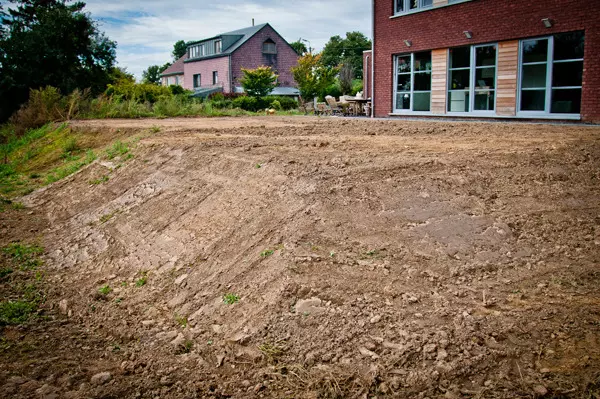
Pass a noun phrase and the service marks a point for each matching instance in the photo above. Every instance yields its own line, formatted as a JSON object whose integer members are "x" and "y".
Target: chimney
{"x": 252, "y": 21}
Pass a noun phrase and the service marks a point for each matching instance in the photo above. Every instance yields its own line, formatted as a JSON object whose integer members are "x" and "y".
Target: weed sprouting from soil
{"x": 155, "y": 129}
{"x": 142, "y": 280}
{"x": 100, "y": 180}
{"x": 186, "y": 347}
{"x": 181, "y": 320}
{"x": 104, "y": 290}
{"x": 272, "y": 351}
{"x": 106, "y": 217}
{"x": 18, "y": 205}
{"x": 266, "y": 253}
{"x": 230, "y": 299}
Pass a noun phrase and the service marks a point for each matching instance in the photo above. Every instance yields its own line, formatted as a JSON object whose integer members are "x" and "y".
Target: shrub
{"x": 176, "y": 90}
{"x": 247, "y": 103}
{"x": 143, "y": 92}
{"x": 44, "y": 105}
{"x": 258, "y": 82}
{"x": 276, "y": 105}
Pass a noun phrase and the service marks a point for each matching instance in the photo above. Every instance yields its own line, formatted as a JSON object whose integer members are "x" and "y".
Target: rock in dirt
{"x": 375, "y": 319}
{"x": 365, "y": 352}
{"x": 181, "y": 279}
{"x": 101, "y": 378}
{"x": 540, "y": 390}
{"x": 309, "y": 306}
{"x": 63, "y": 306}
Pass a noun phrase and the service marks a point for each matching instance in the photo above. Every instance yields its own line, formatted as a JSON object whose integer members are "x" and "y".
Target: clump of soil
{"x": 318, "y": 258}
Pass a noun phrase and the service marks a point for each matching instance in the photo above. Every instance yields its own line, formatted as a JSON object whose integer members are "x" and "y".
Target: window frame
{"x": 472, "y": 81}
{"x": 218, "y": 46}
{"x": 412, "y": 91}
{"x": 270, "y": 43}
{"x": 550, "y": 61}
{"x": 197, "y": 80}
{"x": 407, "y": 10}
{"x": 215, "y": 78}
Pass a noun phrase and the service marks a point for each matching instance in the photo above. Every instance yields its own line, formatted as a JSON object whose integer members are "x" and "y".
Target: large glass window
{"x": 413, "y": 82}
{"x": 197, "y": 80}
{"x": 404, "y": 6}
{"x": 552, "y": 74}
{"x": 472, "y": 79}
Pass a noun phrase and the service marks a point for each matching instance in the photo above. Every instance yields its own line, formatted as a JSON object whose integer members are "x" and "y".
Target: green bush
{"x": 142, "y": 92}
{"x": 247, "y": 103}
{"x": 357, "y": 85}
{"x": 276, "y": 105}
{"x": 177, "y": 90}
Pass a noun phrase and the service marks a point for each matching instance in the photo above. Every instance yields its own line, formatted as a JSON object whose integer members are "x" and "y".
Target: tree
{"x": 50, "y": 43}
{"x": 258, "y": 82}
{"x": 346, "y": 77}
{"x": 347, "y": 50}
{"x": 120, "y": 75}
{"x": 299, "y": 47}
{"x": 152, "y": 74}
{"x": 179, "y": 49}
{"x": 312, "y": 76}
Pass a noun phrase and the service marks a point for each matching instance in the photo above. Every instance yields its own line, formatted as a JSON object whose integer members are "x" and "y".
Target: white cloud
{"x": 146, "y": 30}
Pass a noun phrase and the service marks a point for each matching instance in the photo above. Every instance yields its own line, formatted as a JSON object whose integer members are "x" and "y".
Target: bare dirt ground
{"x": 360, "y": 259}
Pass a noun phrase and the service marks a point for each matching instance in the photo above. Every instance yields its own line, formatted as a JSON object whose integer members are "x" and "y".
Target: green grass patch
{"x": 16, "y": 312}
{"x": 70, "y": 168}
{"x": 117, "y": 149}
{"x": 24, "y": 256}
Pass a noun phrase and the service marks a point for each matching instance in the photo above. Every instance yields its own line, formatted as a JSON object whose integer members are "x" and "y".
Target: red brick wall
{"x": 206, "y": 68}
{"x": 367, "y": 57}
{"x": 490, "y": 21}
{"x": 250, "y": 56}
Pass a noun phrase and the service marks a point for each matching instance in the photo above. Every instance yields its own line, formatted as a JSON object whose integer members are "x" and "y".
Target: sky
{"x": 145, "y": 30}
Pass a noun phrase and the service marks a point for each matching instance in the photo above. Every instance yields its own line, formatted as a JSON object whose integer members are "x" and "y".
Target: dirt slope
{"x": 367, "y": 259}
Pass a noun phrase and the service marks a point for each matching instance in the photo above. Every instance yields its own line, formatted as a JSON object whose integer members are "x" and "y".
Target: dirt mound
{"x": 301, "y": 257}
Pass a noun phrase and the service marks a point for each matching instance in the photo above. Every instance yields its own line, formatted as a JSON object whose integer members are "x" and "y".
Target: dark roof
{"x": 176, "y": 68}
{"x": 244, "y": 35}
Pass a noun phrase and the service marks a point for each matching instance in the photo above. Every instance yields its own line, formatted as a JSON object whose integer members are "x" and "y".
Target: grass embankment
{"x": 20, "y": 274}
{"x": 51, "y": 153}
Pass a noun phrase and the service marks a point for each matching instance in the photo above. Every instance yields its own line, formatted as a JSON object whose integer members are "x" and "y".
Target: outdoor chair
{"x": 335, "y": 108}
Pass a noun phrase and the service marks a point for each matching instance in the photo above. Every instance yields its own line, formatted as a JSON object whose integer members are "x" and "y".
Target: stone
{"x": 429, "y": 348}
{"x": 63, "y": 307}
{"x": 309, "y": 306}
{"x": 540, "y": 390}
{"x": 375, "y": 319}
{"x": 181, "y": 279}
{"x": 101, "y": 378}
{"x": 365, "y": 352}
{"x": 178, "y": 300}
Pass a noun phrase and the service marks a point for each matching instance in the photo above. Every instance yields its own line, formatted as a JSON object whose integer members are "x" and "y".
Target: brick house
{"x": 537, "y": 59}
{"x": 215, "y": 64}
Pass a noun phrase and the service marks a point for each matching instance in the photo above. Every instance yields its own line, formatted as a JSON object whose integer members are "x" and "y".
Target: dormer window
{"x": 407, "y": 6}
{"x": 217, "y": 47}
{"x": 269, "y": 47}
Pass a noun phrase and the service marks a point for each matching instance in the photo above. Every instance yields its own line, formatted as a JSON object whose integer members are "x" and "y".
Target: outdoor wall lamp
{"x": 468, "y": 34}
{"x": 547, "y": 22}
{"x": 408, "y": 43}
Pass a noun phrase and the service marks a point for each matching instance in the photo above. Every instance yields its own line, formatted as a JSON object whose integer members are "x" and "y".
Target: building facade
{"x": 215, "y": 64}
{"x": 537, "y": 59}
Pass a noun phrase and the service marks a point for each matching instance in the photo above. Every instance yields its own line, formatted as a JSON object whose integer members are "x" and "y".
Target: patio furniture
{"x": 335, "y": 108}
{"x": 322, "y": 109}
